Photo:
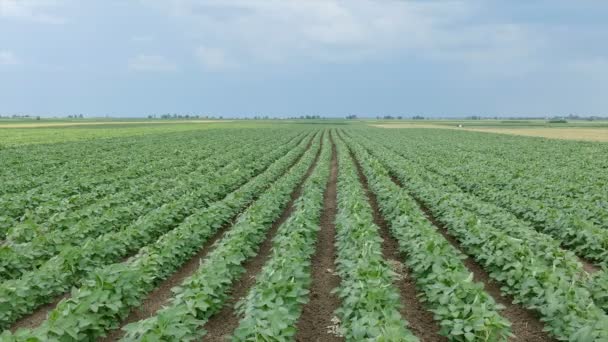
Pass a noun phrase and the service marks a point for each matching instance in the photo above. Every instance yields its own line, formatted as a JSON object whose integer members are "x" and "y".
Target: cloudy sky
{"x": 293, "y": 57}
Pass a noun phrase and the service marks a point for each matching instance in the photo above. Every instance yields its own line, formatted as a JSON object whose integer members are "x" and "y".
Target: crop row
{"x": 205, "y": 291}
{"x": 65, "y": 193}
{"x": 547, "y": 249}
{"x": 60, "y": 208}
{"x": 20, "y": 258}
{"x": 565, "y": 306}
{"x": 571, "y": 221}
{"x": 76, "y": 189}
{"x": 116, "y": 288}
{"x": 273, "y": 305}
{"x": 463, "y": 309}
{"x": 370, "y": 302}
{"x": 78, "y": 162}
{"x": 73, "y": 264}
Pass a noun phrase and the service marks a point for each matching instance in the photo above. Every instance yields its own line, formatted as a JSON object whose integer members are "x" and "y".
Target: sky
{"x": 303, "y": 57}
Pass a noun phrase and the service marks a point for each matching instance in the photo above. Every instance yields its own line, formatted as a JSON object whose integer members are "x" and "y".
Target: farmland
{"x": 295, "y": 231}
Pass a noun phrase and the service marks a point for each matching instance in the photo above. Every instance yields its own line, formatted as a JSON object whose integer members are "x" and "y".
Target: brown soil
{"x": 36, "y": 318}
{"x": 562, "y": 133}
{"x": 162, "y": 294}
{"x": 525, "y": 324}
{"x": 420, "y": 320}
{"x": 589, "y": 267}
{"x": 221, "y": 325}
{"x": 317, "y": 314}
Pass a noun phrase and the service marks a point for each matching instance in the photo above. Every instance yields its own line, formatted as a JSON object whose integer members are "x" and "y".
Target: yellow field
{"x": 572, "y": 133}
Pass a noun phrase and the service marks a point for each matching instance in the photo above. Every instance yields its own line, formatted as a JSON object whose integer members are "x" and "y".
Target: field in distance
{"x": 572, "y": 130}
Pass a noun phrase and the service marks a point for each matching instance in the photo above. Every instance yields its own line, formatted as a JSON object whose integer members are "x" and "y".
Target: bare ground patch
{"x": 572, "y": 133}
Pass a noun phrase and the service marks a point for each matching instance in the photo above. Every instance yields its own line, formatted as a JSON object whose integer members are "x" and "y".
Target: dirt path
{"x": 221, "y": 325}
{"x": 318, "y": 313}
{"x": 420, "y": 319}
{"x": 588, "y": 266}
{"x": 525, "y": 324}
{"x": 39, "y": 315}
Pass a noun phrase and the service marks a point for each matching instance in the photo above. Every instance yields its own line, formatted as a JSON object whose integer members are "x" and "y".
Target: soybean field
{"x": 293, "y": 231}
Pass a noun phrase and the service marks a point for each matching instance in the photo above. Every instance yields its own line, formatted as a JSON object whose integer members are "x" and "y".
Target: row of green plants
{"x": 572, "y": 187}
{"x": 536, "y": 188}
{"x": 73, "y": 264}
{"x": 273, "y": 305}
{"x": 579, "y": 223}
{"x": 59, "y": 212}
{"x": 39, "y": 205}
{"x": 553, "y": 167}
{"x": 27, "y": 169}
{"x": 94, "y": 176}
{"x": 567, "y": 225}
{"x": 370, "y": 302}
{"x": 204, "y": 293}
{"x": 80, "y": 186}
{"x": 30, "y": 167}
{"x": 108, "y": 294}
{"x": 548, "y": 250}
{"x": 563, "y": 303}
{"x": 465, "y": 312}
{"x": 16, "y": 259}
{"x": 570, "y": 222}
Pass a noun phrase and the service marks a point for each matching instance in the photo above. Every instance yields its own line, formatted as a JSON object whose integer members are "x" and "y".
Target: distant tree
{"x": 418, "y": 117}
{"x": 351, "y": 117}
{"x": 149, "y": 116}
{"x": 38, "y": 118}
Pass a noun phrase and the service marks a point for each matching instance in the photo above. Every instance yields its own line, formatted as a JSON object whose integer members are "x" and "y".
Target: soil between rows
{"x": 221, "y": 325}
{"x": 316, "y": 317}
{"x": 525, "y": 324}
{"x": 420, "y": 319}
{"x": 38, "y": 316}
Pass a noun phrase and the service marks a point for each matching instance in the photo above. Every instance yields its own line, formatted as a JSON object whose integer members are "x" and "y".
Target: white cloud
{"x": 214, "y": 59}
{"x": 8, "y": 58}
{"x": 151, "y": 63}
{"x": 40, "y": 11}
{"x": 281, "y": 31}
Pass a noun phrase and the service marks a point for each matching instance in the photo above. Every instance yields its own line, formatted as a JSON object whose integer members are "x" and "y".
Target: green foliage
{"x": 563, "y": 301}
{"x": 154, "y": 262}
{"x": 23, "y": 253}
{"x": 370, "y": 302}
{"x": 464, "y": 310}
{"x": 271, "y": 308}
{"x": 204, "y": 292}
